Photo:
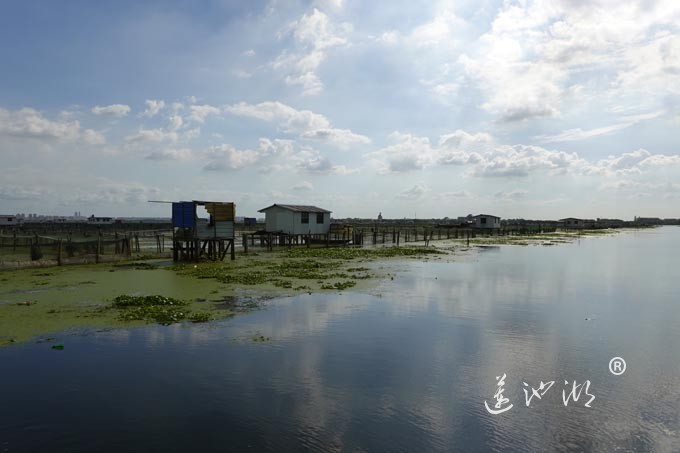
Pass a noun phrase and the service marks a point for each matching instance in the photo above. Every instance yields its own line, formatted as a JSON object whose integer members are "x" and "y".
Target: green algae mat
{"x": 41, "y": 301}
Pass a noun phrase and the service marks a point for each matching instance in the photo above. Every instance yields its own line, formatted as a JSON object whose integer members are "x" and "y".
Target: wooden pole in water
{"x": 99, "y": 246}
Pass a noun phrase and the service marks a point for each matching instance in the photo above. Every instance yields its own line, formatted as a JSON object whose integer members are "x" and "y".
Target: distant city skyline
{"x": 521, "y": 109}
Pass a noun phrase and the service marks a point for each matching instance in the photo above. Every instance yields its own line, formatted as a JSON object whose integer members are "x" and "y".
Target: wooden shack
{"x": 194, "y": 237}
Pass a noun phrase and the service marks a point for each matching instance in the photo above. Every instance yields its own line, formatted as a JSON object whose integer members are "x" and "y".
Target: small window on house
{"x": 482, "y": 220}
{"x": 319, "y": 217}
{"x": 305, "y": 217}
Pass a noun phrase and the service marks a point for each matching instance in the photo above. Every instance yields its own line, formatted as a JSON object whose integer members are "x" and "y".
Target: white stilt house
{"x": 296, "y": 219}
{"x": 486, "y": 221}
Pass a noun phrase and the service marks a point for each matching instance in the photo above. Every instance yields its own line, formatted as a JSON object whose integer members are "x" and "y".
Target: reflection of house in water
{"x": 296, "y": 219}
{"x": 486, "y": 221}
{"x": 196, "y": 237}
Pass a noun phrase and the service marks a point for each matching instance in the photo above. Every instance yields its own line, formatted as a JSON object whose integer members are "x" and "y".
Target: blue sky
{"x": 536, "y": 109}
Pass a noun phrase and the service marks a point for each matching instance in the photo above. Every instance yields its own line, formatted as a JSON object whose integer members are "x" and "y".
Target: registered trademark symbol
{"x": 617, "y": 366}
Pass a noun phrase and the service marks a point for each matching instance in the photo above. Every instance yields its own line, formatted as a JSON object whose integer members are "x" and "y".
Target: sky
{"x": 427, "y": 109}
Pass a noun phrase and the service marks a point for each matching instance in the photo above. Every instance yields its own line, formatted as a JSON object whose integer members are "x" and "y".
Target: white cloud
{"x": 314, "y": 35}
{"x": 28, "y": 123}
{"x": 153, "y": 107}
{"x": 19, "y": 193}
{"x": 580, "y": 134}
{"x": 536, "y": 52}
{"x": 226, "y": 157}
{"x": 311, "y": 161}
{"x": 389, "y": 37}
{"x": 514, "y": 194}
{"x": 306, "y": 124}
{"x": 521, "y": 160}
{"x": 634, "y": 162}
{"x": 92, "y": 137}
{"x": 453, "y": 194}
{"x": 476, "y": 151}
{"x": 407, "y": 153}
{"x": 153, "y": 135}
{"x": 116, "y": 110}
{"x": 304, "y": 186}
{"x": 200, "y": 112}
{"x": 170, "y": 154}
{"x": 416, "y": 192}
{"x": 440, "y": 32}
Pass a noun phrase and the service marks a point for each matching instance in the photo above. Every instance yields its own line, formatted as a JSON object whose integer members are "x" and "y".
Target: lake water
{"x": 407, "y": 368}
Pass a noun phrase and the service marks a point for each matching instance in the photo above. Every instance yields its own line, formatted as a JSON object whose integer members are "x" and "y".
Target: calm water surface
{"x": 407, "y": 368}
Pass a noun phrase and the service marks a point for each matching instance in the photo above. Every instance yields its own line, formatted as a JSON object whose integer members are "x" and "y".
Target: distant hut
{"x": 195, "y": 237}
{"x": 100, "y": 220}
{"x": 486, "y": 221}
{"x": 296, "y": 219}
{"x": 7, "y": 220}
{"x": 573, "y": 222}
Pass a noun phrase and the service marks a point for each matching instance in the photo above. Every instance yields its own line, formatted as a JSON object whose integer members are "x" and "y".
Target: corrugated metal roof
{"x": 485, "y": 215}
{"x": 296, "y": 207}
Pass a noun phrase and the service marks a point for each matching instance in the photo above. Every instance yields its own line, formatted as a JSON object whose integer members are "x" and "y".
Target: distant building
{"x": 380, "y": 217}
{"x": 486, "y": 221}
{"x": 100, "y": 220}
{"x": 573, "y": 222}
{"x": 646, "y": 221}
{"x": 6, "y": 220}
{"x": 249, "y": 221}
{"x": 609, "y": 223}
{"x": 296, "y": 219}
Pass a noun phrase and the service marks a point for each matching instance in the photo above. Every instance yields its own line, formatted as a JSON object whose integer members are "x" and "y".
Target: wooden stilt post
{"x": 59, "y": 252}
{"x": 99, "y": 247}
{"x": 245, "y": 243}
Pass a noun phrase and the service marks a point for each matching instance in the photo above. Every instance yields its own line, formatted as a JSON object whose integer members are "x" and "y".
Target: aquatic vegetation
{"x": 145, "y": 301}
{"x": 282, "y": 283}
{"x": 199, "y": 317}
{"x": 58, "y": 347}
{"x": 136, "y": 265}
{"x": 281, "y": 273}
{"x": 340, "y": 285}
{"x": 156, "y": 308}
{"x": 260, "y": 339}
{"x": 350, "y": 253}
